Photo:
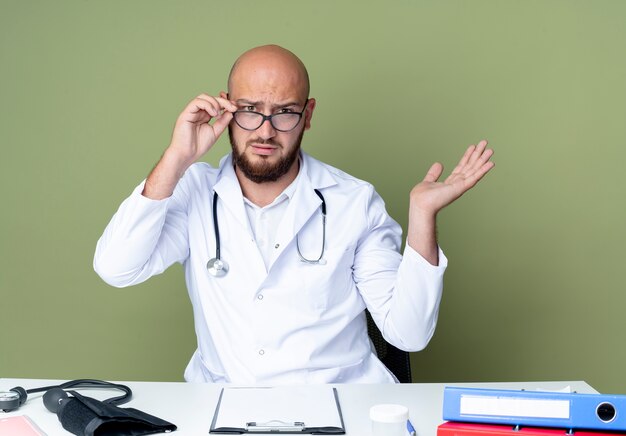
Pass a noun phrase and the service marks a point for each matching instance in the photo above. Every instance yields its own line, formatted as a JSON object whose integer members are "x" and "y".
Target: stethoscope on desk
{"x": 219, "y": 268}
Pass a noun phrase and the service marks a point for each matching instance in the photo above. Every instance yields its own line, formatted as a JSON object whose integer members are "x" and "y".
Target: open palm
{"x": 431, "y": 195}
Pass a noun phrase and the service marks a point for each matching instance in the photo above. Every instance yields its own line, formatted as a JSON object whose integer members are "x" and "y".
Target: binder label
{"x": 514, "y": 406}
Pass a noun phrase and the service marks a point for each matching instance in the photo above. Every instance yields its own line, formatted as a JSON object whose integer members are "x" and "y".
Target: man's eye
{"x": 248, "y": 108}
{"x": 285, "y": 111}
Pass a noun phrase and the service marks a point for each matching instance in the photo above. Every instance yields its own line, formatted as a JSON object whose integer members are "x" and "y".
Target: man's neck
{"x": 265, "y": 193}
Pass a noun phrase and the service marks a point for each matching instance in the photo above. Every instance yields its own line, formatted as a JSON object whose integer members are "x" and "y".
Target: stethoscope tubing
{"x": 319, "y": 259}
{"x": 218, "y": 267}
{"x": 91, "y": 384}
{"x": 216, "y": 227}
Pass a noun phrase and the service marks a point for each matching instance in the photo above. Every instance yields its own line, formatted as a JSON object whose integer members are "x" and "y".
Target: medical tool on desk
{"x": 218, "y": 267}
{"x": 83, "y": 415}
{"x": 13, "y": 399}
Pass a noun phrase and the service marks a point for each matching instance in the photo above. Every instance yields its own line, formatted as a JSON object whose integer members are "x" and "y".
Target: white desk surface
{"x": 190, "y": 406}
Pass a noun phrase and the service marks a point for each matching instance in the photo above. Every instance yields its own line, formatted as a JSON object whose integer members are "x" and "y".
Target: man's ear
{"x": 223, "y": 95}
{"x": 308, "y": 114}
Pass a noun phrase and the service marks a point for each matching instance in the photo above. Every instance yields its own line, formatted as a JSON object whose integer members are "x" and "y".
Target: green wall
{"x": 89, "y": 92}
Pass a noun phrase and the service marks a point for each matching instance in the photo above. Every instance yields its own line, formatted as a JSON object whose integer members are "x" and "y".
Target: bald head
{"x": 269, "y": 69}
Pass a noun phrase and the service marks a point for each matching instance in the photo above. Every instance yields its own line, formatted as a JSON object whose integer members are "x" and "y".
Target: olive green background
{"x": 535, "y": 286}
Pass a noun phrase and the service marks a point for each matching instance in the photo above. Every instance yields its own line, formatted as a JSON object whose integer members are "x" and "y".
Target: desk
{"x": 191, "y": 405}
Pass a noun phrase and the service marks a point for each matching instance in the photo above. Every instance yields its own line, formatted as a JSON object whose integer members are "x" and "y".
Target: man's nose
{"x": 266, "y": 131}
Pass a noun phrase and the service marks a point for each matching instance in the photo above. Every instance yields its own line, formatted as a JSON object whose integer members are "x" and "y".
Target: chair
{"x": 396, "y": 360}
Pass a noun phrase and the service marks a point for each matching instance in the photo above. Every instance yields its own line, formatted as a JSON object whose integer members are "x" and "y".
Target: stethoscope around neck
{"x": 218, "y": 267}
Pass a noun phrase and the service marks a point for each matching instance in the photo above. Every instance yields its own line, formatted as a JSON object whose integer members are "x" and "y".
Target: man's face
{"x": 269, "y": 87}
{"x": 265, "y": 154}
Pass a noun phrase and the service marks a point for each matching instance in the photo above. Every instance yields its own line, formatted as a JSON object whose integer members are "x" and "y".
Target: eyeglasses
{"x": 282, "y": 121}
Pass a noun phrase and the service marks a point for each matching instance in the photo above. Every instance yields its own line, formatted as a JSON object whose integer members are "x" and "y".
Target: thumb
{"x": 434, "y": 172}
{"x": 221, "y": 123}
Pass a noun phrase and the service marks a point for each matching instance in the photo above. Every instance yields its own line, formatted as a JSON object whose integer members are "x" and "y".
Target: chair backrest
{"x": 396, "y": 360}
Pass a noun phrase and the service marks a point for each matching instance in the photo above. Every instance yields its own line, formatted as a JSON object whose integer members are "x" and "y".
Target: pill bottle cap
{"x": 389, "y": 413}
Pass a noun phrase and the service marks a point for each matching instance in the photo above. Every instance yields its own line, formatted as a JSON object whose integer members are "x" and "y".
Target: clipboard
{"x": 312, "y": 409}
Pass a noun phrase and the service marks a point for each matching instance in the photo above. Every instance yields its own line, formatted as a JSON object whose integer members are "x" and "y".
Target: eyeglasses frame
{"x": 269, "y": 118}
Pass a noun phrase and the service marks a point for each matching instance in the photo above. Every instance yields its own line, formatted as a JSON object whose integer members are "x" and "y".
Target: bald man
{"x": 282, "y": 253}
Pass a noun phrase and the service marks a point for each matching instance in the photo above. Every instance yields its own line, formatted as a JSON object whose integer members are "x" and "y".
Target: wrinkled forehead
{"x": 268, "y": 77}
{"x": 267, "y": 85}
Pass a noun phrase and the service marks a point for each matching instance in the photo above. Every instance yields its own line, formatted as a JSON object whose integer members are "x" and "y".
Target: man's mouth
{"x": 263, "y": 148}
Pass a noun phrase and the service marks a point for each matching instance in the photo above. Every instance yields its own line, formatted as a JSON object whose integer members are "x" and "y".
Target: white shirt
{"x": 264, "y": 221}
{"x": 280, "y": 320}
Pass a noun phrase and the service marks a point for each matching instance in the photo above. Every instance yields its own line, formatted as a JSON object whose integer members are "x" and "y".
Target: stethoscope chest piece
{"x": 217, "y": 267}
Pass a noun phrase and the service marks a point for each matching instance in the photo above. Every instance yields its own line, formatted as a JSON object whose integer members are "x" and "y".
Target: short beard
{"x": 264, "y": 171}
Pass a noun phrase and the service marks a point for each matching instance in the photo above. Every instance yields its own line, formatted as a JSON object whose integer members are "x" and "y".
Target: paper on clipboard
{"x": 314, "y": 406}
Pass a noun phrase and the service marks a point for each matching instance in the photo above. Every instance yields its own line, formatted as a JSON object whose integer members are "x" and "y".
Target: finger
{"x": 199, "y": 110}
{"x": 478, "y": 151}
{"x": 434, "y": 172}
{"x": 471, "y": 180}
{"x": 214, "y": 105}
{"x": 485, "y": 156}
{"x": 206, "y": 97}
{"x": 467, "y": 154}
{"x": 221, "y": 123}
{"x": 219, "y": 102}
{"x": 225, "y": 96}
{"x": 464, "y": 159}
{"x": 226, "y": 104}
{"x": 476, "y": 160}
{"x": 478, "y": 163}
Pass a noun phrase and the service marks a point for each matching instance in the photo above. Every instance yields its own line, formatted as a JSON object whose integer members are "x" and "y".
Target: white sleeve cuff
{"x": 415, "y": 257}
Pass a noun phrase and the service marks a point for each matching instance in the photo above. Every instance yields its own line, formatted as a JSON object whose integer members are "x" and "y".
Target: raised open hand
{"x": 430, "y": 195}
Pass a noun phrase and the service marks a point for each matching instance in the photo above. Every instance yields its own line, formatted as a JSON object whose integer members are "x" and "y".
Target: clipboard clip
{"x": 275, "y": 426}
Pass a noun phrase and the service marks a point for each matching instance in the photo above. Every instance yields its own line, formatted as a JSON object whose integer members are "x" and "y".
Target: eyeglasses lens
{"x": 281, "y": 122}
